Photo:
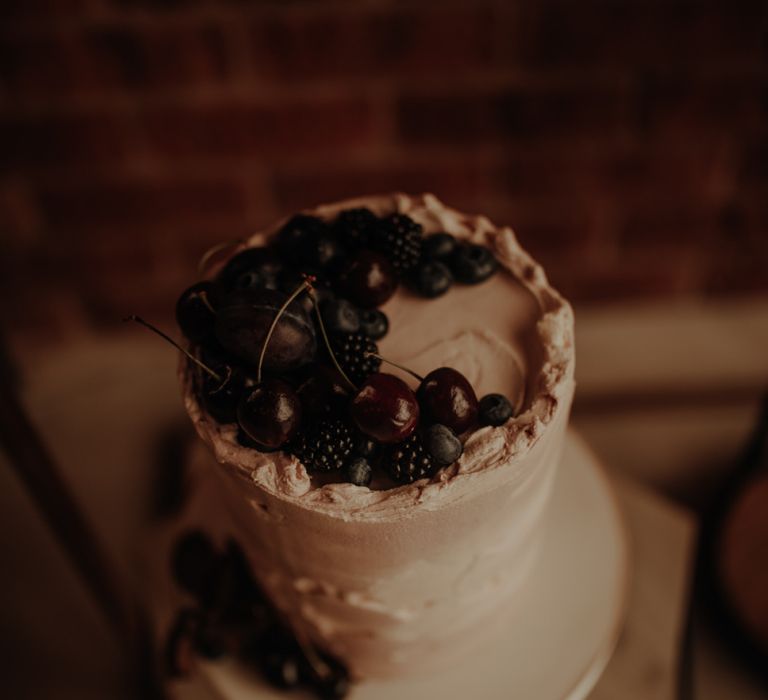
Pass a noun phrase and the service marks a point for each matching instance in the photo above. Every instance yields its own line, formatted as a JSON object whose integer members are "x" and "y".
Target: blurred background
{"x": 625, "y": 140}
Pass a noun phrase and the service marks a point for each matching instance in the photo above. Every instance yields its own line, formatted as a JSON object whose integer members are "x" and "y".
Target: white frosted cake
{"x": 399, "y": 580}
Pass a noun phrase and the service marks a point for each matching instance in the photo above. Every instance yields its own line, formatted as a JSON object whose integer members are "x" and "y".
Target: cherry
{"x": 196, "y": 311}
{"x": 242, "y": 325}
{"x": 270, "y": 413}
{"x": 324, "y": 392}
{"x": 446, "y": 397}
{"x": 385, "y": 408}
{"x": 368, "y": 279}
{"x": 220, "y": 397}
{"x": 253, "y": 268}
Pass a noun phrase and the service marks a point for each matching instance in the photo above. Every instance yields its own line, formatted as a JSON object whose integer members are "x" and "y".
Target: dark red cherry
{"x": 196, "y": 311}
{"x": 270, "y": 413}
{"x": 324, "y": 392}
{"x": 368, "y": 279}
{"x": 242, "y": 324}
{"x": 385, "y": 408}
{"x": 446, "y": 397}
{"x": 220, "y": 398}
{"x": 253, "y": 268}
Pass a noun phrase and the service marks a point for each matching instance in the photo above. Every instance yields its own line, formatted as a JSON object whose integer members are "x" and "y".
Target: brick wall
{"x": 626, "y": 140}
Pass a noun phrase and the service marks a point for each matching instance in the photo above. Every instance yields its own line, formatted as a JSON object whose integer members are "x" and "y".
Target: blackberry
{"x": 350, "y": 350}
{"x": 324, "y": 447}
{"x": 409, "y": 460}
{"x": 399, "y": 238}
{"x": 355, "y": 227}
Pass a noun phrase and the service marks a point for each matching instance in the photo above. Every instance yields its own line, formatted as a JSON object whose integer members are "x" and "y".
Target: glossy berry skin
{"x": 270, "y": 413}
{"x": 196, "y": 311}
{"x": 253, "y": 268}
{"x": 374, "y": 323}
{"x": 340, "y": 316}
{"x": 495, "y": 409}
{"x": 433, "y": 279}
{"x": 242, "y": 326}
{"x": 281, "y": 668}
{"x": 358, "y": 472}
{"x": 472, "y": 263}
{"x": 442, "y": 444}
{"x": 307, "y": 241}
{"x": 365, "y": 446}
{"x": 385, "y": 408}
{"x": 446, "y": 397}
{"x": 438, "y": 246}
{"x": 220, "y": 398}
{"x": 367, "y": 279}
{"x": 324, "y": 392}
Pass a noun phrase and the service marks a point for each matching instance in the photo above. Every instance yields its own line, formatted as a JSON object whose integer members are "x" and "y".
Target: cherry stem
{"x": 305, "y": 285}
{"x": 201, "y": 365}
{"x": 328, "y": 342}
{"x": 417, "y": 377}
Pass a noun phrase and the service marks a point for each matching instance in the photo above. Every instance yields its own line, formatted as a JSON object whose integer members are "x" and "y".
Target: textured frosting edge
{"x": 486, "y": 450}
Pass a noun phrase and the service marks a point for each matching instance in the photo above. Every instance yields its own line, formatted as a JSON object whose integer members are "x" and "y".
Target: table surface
{"x": 667, "y": 395}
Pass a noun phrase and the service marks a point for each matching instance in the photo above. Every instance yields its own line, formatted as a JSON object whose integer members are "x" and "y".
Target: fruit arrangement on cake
{"x": 385, "y": 384}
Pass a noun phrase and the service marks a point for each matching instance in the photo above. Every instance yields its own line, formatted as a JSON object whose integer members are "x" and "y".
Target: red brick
{"x": 607, "y": 36}
{"x": 400, "y": 41}
{"x": 130, "y": 205}
{"x": 244, "y": 129}
{"x": 65, "y": 140}
{"x": 109, "y": 57}
{"x": 459, "y": 183}
{"x": 512, "y": 114}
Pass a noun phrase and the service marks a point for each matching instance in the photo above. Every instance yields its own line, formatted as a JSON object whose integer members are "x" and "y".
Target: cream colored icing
{"x": 398, "y": 580}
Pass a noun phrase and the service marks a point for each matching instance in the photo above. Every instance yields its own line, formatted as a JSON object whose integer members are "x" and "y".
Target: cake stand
{"x": 565, "y": 625}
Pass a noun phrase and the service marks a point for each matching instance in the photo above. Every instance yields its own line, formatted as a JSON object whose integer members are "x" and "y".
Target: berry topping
{"x": 433, "y": 279}
{"x": 385, "y": 408}
{"x": 340, "y": 316}
{"x": 323, "y": 447}
{"x": 324, "y": 392}
{"x": 438, "y": 246}
{"x": 399, "y": 238}
{"x": 374, "y": 323}
{"x": 308, "y": 241}
{"x": 472, "y": 263}
{"x": 253, "y": 268}
{"x": 358, "y": 472}
{"x": 270, "y": 413}
{"x": 409, "y": 460}
{"x": 495, "y": 409}
{"x": 196, "y": 311}
{"x": 446, "y": 397}
{"x": 368, "y": 279}
{"x": 442, "y": 444}
{"x": 365, "y": 446}
{"x": 281, "y": 668}
{"x": 355, "y": 227}
{"x": 243, "y": 323}
{"x": 221, "y": 396}
{"x": 352, "y": 353}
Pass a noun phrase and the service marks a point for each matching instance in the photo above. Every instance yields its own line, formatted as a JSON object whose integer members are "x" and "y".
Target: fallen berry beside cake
{"x": 385, "y": 384}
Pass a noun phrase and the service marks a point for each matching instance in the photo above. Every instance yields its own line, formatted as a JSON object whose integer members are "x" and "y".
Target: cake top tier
{"x": 513, "y": 335}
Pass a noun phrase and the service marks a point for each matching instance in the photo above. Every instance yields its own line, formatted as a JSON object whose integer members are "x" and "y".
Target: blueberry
{"x": 438, "y": 246}
{"x": 433, "y": 279}
{"x": 340, "y": 316}
{"x": 442, "y": 444}
{"x": 358, "y": 472}
{"x": 495, "y": 409}
{"x": 374, "y": 323}
{"x": 472, "y": 263}
{"x": 365, "y": 446}
{"x": 281, "y": 668}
